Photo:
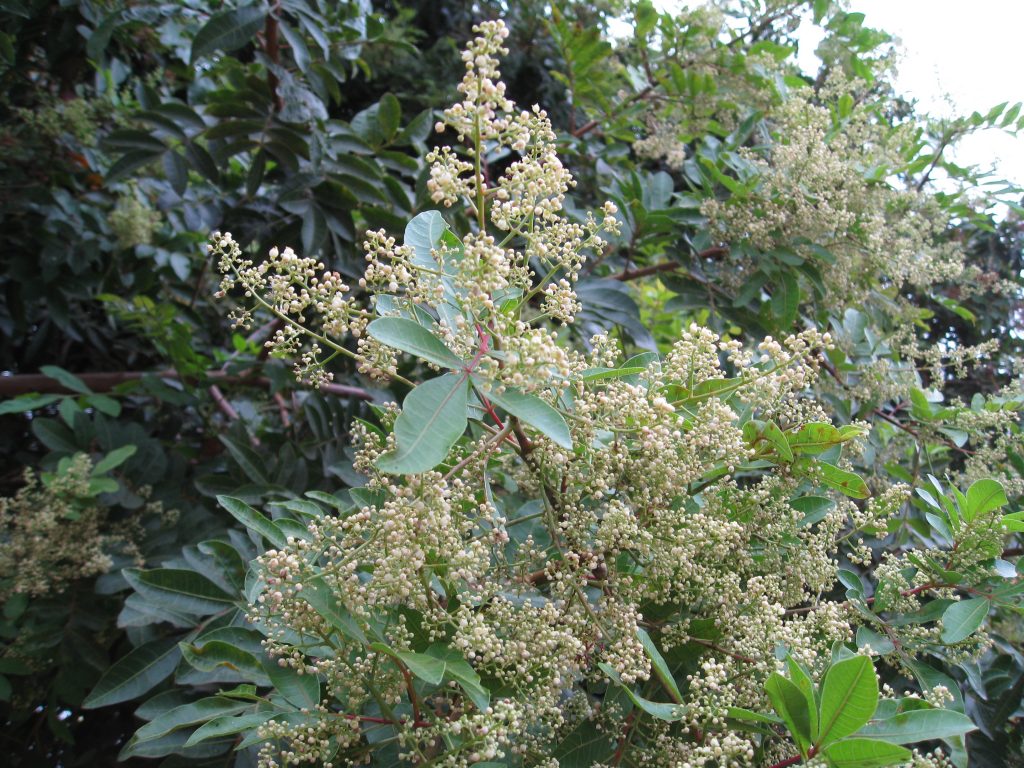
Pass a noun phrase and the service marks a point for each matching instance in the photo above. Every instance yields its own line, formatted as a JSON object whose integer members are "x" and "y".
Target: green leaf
{"x": 802, "y": 680}
{"x": 66, "y": 380}
{"x": 422, "y": 234}
{"x": 25, "y": 403}
{"x": 228, "y": 30}
{"x": 535, "y": 412}
{"x": 738, "y": 713}
{"x": 228, "y": 726}
{"x": 54, "y": 435}
{"x": 786, "y": 300}
{"x": 845, "y": 482}
{"x": 962, "y": 618}
{"x": 319, "y": 595}
{"x": 661, "y": 669}
{"x": 114, "y": 459}
{"x": 668, "y": 712}
{"x": 433, "y": 418}
{"x": 413, "y": 338}
{"x": 815, "y": 508}
{"x": 790, "y": 704}
{"x": 865, "y": 753}
{"x": 919, "y": 725}
{"x": 984, "y": 496}
{"x": 135, "y": 674}
{"x": 253, "y": 520}
{"x": 462, "y": 672}
{"x": 389, "y": 116}
{"x": 189, "y": 714}
{"x": 814, "y": 437}
{"x": 849, "y": 696}
{"x": 178, "y": 590}
{"x": 301, "y": 690}
{"x": 429, "y": 669}
{"x": 597, "y": 374}
{"x": 213, "y": 655}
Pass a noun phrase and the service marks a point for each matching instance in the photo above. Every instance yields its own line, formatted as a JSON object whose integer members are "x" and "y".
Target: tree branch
{"x": 99, "y": 382}
{"x": 667, "y": 266}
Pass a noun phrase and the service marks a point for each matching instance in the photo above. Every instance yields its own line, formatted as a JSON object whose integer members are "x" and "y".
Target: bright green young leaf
{"x": 535, "y": 412}
{"x": 849, "y": 696}
{"x": 865, "y": 753}
{"x": 984, "y": 496}
{"x": 962, "y": 618}
{"x": 254, "y": 520}
{"x": 919, "y": 725}
{"x": 413, "y": 338}
{"x": 433, "y": 418}
{"x": 802, "y": 680}
{"x": 135, "y": 674}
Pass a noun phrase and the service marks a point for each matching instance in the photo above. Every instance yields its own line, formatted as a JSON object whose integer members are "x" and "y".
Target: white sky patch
{"x": 956, "y": 58}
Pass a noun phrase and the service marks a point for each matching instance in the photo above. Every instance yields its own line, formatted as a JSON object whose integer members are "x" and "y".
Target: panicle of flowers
{"x": 55, "y": 531}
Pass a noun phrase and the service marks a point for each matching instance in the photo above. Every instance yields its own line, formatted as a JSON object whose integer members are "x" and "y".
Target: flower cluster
{"x": 54, "y": 531}
{"x": 486, "y": 606}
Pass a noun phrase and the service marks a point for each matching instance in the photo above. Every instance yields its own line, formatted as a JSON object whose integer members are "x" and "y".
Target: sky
{"x": 957, "y": 57}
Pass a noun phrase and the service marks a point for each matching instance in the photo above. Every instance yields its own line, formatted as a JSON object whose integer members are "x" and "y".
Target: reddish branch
{"x": 667, "y": 266}
{"x": 794, "y": 760}
{"x": 99, "y": 382}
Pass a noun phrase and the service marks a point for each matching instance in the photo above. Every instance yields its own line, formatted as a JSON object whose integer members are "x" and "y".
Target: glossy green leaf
{"x": 66, "y": 379}
{"x": 849, "y": 696}
{"x": 845, "y": 482}
{"x": 114, "y": 459}
{"x": 432, "y": 420}
{"x": 789, "y": 703}
{"x": 422, "y": 234}
{"x": 919, "y": 725}
{"x": 865, "y": 753}
{"x": 984, "y": 496}
{"x": 429, "y": 669}
{"x": 413, "y": 338}
{"x": 962, "y": 619}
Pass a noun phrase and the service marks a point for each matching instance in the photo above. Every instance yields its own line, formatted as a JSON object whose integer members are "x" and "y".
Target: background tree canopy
{"x": 708, "y": 450}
